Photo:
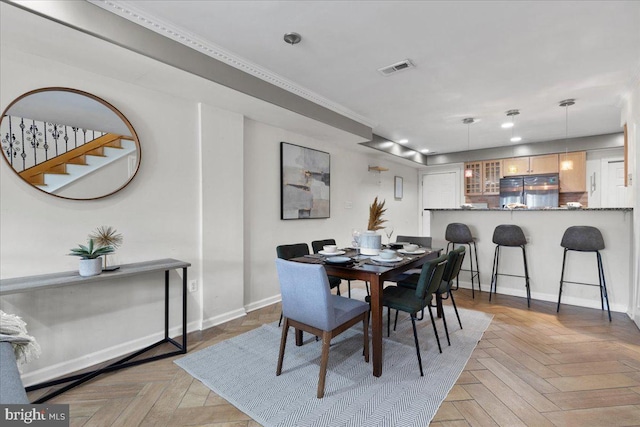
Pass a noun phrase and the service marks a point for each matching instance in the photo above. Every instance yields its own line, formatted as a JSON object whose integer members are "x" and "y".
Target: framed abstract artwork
{"x": 304, "y": 182}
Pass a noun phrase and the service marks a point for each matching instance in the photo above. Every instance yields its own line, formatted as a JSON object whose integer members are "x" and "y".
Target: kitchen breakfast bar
{"x": 543, "y": 229}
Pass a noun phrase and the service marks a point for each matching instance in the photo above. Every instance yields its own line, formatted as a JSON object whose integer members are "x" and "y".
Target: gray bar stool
{"x": 511, "y": 236}
{"x": 459, "y": 234}
{"x": 583, "y": 238}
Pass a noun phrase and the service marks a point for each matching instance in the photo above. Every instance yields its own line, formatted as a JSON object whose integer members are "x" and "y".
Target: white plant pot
{"x": 370, "y": 243}
{"x": 90, "y": 267}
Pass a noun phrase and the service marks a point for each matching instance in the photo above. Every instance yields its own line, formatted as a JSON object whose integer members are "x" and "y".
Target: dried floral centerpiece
{"x": 376, "y": 210}
{"x": 370, "y": 241}
{"x": 107, "y": 236}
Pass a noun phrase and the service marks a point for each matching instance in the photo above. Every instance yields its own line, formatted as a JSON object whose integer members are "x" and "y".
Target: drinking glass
{"x": 389, "y": 232}
{"x": 355, "y": 233}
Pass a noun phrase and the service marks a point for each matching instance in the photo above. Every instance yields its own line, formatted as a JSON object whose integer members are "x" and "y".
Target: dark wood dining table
{"x": 375, "y": 273}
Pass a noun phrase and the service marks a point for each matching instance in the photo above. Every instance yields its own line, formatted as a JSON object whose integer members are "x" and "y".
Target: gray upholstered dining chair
{"x": 294, "y": 250}
{"x": 334, "y": 282}
{"x": 309, "y": 305}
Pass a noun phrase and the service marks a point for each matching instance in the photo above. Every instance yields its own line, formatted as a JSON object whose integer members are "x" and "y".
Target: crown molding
{"x": 129, "y": 11}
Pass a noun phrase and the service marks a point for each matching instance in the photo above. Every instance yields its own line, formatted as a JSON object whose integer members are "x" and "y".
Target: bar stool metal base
{"x": 495, "y": 273}
{"x": 602, "y": 282}
{"x": 474, "y": 273}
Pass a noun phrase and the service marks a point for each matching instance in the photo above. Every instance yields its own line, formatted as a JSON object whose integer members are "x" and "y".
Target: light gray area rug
{"x": 242, "y": 370}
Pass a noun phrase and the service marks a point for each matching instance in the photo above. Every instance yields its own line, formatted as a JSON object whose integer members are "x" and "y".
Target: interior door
{"x": 439, "y": 190}
{"x": 615, "y": 193}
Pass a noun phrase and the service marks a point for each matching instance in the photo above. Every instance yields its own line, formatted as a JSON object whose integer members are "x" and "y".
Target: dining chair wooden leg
{"x": 365, "y": 328}
{"x": 326, "y": 343}
{"x": 283, "y": 343}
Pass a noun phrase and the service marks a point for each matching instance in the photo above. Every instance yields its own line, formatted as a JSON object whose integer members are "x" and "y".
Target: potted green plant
{"x": 90, "y": 262}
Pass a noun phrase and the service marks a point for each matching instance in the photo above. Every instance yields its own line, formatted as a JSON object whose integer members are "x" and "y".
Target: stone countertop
{"x": 532, "y": 209}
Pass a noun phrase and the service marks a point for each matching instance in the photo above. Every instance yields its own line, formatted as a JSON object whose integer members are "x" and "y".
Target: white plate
{"x": 418, "y": 252}
{"x": 338, "y": 260}
{"x": 380, "y": 259}
{"x": 332, "y": 253}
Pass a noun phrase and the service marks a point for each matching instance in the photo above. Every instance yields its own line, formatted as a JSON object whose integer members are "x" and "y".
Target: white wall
{"x": 221, "y": 236}
{"x": 351, "y": 185}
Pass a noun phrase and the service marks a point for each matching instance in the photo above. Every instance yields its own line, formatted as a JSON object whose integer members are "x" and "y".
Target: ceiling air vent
{"x": 394, "y": 68}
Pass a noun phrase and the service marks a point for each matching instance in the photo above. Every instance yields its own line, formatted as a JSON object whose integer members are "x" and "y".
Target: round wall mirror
{"x": 69, "y": 143}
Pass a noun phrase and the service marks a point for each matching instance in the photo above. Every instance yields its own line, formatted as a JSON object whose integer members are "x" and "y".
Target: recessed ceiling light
{"x": 403, "y": 141}
{"x": 507, "y": 125}
{"x": 516, "y": 139}
{"x": 426, "y": 150}
{"x": 292, "y": 38}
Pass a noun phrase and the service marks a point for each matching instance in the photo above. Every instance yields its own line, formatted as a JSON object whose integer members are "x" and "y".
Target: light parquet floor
{"x": 533, "y": 367}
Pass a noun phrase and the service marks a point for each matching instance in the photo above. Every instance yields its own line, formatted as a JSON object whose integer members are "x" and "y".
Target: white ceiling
{"x": 473, "y": 59}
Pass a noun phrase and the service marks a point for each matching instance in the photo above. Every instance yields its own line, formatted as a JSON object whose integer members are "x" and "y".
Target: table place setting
{"x": 416, "y": 252}
{"x": 331, "y": 250}
{"x": 336, "y": 253}
{"x": 341, "y": 260}
{"x": 352, "y": 258}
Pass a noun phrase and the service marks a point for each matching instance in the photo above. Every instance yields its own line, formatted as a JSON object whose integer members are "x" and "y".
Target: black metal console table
{"x": 33, "y": 283}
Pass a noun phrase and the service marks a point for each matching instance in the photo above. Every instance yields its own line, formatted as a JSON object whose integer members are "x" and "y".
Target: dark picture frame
{"x": 305, "y": 182}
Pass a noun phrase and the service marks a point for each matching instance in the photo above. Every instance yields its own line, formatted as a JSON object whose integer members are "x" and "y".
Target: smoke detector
{"x": 394, "y": 68}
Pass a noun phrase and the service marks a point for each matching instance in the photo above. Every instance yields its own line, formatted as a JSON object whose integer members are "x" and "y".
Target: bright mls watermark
{"x": 34, "y": 415}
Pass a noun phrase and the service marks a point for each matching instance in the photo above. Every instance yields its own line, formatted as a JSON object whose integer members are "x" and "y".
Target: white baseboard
{"x": 222, "y": 318}
{"x": 263, "y": 303}
{"x": 120, "y": 350}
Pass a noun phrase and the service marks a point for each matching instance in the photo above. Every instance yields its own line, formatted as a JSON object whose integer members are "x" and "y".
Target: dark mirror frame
{"x": 133, "y": 136}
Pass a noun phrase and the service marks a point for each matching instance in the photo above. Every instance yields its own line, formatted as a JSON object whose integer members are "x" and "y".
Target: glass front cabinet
{"x": 484, "y": 177}
{"x": 492, "y": 172}
{"x": 473, "y": 178}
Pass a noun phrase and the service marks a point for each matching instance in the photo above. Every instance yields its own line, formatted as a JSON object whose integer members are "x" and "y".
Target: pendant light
{"x": 513, "y": 114}
{"x": 468, "y": 173}
{"x": 566, "y": 164}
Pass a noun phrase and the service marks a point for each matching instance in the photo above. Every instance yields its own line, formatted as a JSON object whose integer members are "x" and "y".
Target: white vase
{"x": 370, "y": 243}
{"x": 90, "y": 267}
